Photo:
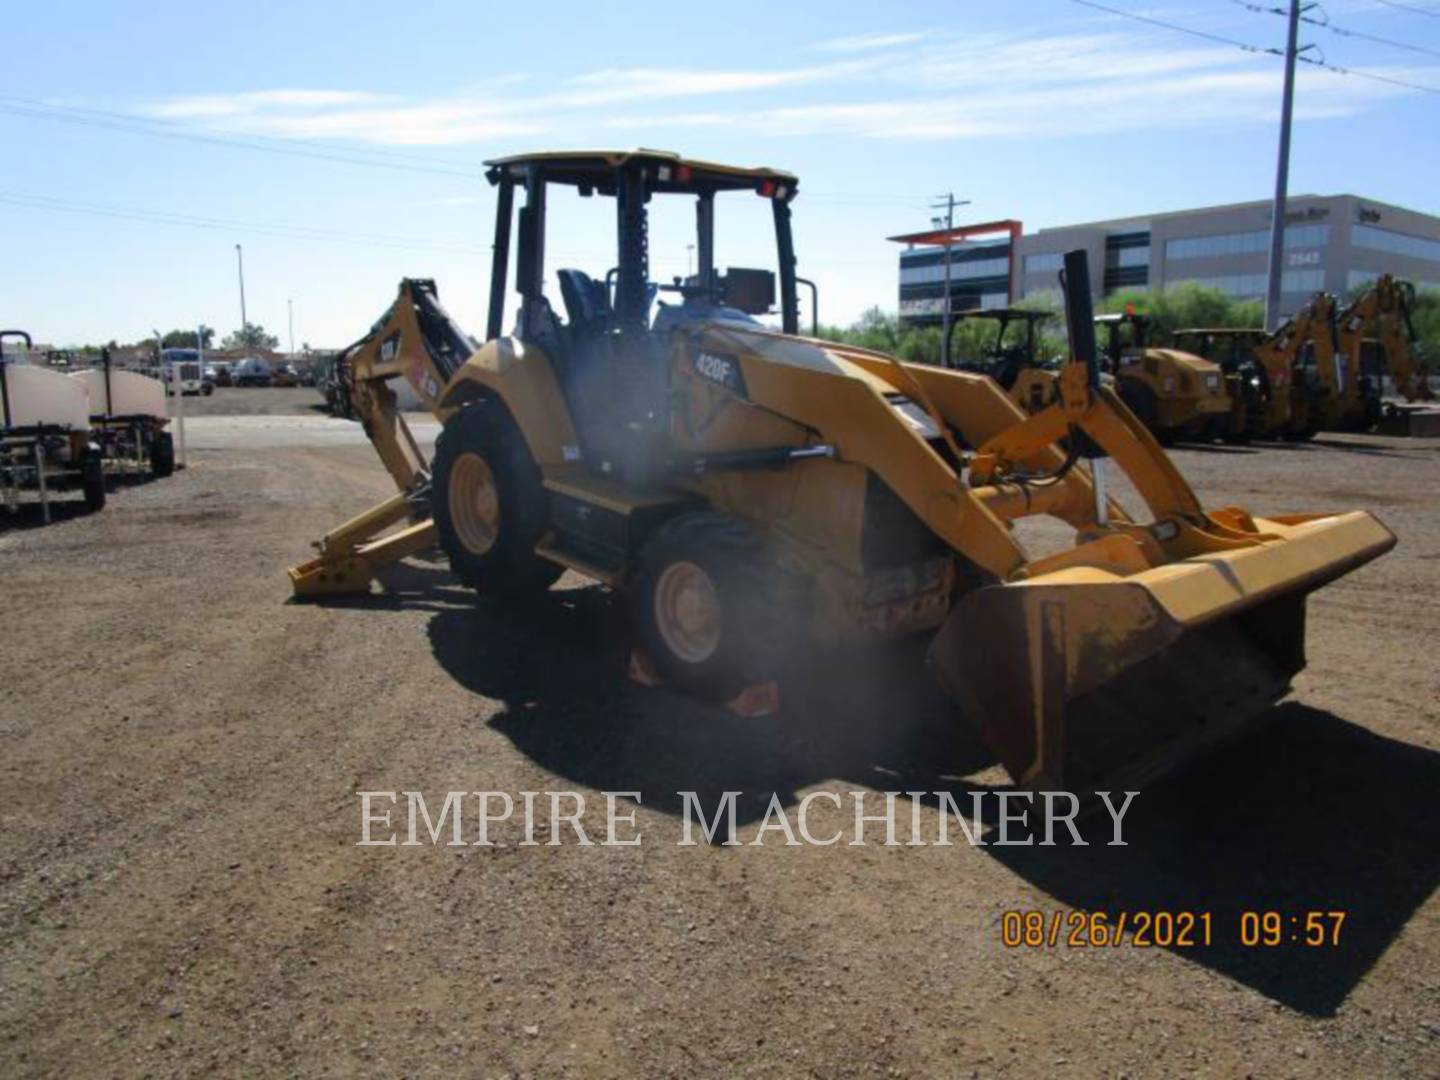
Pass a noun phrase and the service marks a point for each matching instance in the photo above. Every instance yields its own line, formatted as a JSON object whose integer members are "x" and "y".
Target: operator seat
{"x": 585, "y": 378}
{"x": 587, "y": 303}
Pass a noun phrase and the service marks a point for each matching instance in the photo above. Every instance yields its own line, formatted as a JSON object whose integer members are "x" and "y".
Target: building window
{"x": 1245, "y": 243}
{"x": 1417, "y": 247}
{"x": 959, "y": 271}
{"x": 1127, "y": 257}
{"x": 1252, "y": 286}
{"x": 1046, "y": 263}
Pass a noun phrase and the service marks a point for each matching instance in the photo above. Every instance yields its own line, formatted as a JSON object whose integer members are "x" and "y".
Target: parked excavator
{"x": 1012, "y": 356}
{"x": 1177, "y": 395}
{"x": 747, "y": 489}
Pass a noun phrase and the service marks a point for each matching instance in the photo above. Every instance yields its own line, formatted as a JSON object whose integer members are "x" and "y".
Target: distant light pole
{"x": 240, "y": 263}
{"x": 949, "y": 203}
{"x": 290, "y": 309}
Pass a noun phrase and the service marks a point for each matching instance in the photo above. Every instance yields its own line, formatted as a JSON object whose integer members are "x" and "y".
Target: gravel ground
{"x": 256, "y": 401}
{"x": 181, "y": 748}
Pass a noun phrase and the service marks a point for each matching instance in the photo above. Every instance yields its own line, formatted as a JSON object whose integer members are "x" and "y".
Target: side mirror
{"x": 747, "y": 290}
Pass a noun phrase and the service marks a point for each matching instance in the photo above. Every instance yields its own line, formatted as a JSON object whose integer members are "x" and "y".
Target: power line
{"x": 165, "y": 217}
{"x": 1333, "y": 68}
{"x": 1408, "y": 7}
{"x": 177, "y": 125}
{"x": 1246, "y": 46}
{"x": 137, "y": 126}
{"x": 122, "y": 122}
{"x": 1326, "y": 24}
{"x": 1340, "y": 69}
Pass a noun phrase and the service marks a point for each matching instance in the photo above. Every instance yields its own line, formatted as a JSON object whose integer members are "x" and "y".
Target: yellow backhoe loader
{"x": 1277, "y": 376}
{"x": 1376, "y": 338}
{"x": 1177, "y": 395}
{"x": 747, "y": 488}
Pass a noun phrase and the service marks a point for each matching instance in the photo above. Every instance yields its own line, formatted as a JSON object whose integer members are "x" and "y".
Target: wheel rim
{"x": 687, "y": 612}
{"x": 474, "y": 503}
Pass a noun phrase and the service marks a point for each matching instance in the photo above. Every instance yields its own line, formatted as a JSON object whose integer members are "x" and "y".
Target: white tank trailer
{"x": 45, "y": 437}
{"x": 127, "y": 419}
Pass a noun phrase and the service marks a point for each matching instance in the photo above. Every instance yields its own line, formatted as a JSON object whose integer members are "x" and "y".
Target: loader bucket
{"x": 1083, "y": 679}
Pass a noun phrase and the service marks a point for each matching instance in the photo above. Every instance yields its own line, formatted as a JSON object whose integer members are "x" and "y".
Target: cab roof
{"x": 596, "y": 169}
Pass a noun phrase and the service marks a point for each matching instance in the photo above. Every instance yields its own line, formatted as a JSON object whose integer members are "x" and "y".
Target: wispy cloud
{"x": 255, "y": 101}
{"x": 863, "y": 42}
{"x": 949, "y": 87}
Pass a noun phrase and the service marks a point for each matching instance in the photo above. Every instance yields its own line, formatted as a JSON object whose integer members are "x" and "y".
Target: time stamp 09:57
{"x": 1169, "y": 929}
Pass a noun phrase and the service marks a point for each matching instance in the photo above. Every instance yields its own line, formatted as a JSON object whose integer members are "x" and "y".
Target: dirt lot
{"x": 181, "y": 891}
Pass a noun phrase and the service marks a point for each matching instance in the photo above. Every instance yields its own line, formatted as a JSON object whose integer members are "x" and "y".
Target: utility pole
{"x": 1282, "y": 172}
{"x": 240, "y": 263}
{"x": 948, "y": 204}
{"x": 290, "y": 310}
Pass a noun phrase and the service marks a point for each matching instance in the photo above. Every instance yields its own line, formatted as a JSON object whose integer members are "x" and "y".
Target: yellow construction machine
{"x": 748, "y": 489}
{"x": 1274, "y": 379}
{"x": 1177, "y": 395}
{"x": 1376, "y": 336}
{"x": 1246, "y": 384}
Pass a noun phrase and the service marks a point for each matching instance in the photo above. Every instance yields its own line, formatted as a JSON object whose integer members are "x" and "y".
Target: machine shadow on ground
{"x": 1313, "y": 445}
{"x": 66, "y": 504}
{"x": 30, "y": 515}
{"x": 1301, "y": 812}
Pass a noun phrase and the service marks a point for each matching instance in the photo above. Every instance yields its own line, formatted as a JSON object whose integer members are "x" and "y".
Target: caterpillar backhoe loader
{"x": 1175, "y": 394}
{"x": 1278, "y": 375}
{"x": 747, "y": 488}
{"x": 1376, "y": 338}
{"x": 1011, "y": 357}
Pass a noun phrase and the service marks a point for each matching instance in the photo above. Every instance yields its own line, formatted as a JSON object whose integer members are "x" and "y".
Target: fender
{"x": 522, "y": 377}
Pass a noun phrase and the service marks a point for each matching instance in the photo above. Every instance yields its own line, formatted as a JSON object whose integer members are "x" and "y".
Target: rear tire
{"x": 490, "y": 506}
{"x": 710, "y": 609}
{"x": 162, "y": 455}
{"x": 92, "y": 481}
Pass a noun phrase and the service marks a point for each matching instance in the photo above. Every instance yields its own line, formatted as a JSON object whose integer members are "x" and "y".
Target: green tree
{"x": 185, "y": 339}
{"x": 1186, "y": 306}
{"x": 1425, "y": 318}
{"x": 252, "y": 336}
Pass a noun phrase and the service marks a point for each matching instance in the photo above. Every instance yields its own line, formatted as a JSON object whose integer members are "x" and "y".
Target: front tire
{"x": 489, "y": 504}
{"x": 709, "y": 608}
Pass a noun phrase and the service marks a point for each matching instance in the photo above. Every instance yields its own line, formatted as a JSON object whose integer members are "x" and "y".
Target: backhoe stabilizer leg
{"x": 350, "y": 556}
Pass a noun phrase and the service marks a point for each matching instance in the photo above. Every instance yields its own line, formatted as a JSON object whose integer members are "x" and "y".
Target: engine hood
{"x": 757, "y": 345}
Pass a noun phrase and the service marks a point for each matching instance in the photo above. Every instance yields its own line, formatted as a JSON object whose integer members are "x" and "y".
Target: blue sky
{"x": 124, "y": 192}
